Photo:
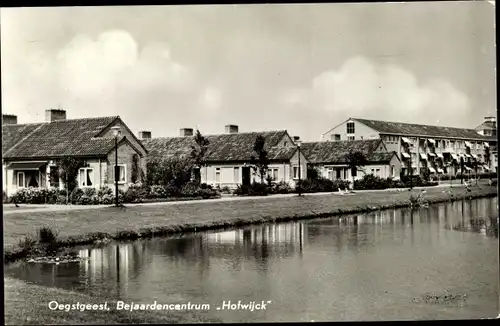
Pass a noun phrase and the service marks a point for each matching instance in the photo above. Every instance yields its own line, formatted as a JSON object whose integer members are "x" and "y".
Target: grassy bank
{"x": 79, "y": 227}
{"x": 18, "y": 312}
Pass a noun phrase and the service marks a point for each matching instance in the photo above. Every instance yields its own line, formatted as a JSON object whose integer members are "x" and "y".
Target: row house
{"x": 421, "y": 146}
{"x": 228, "y": 156}
{"x": 330, "y": 158}
{"x": 30, "y": 151}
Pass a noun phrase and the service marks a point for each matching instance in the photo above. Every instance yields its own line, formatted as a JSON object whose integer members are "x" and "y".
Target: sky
{"x": 300, "y": 67}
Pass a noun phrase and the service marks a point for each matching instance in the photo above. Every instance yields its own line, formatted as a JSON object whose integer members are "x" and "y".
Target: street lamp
{"x": 116, "y": 134}
{"x": 298, "y": 142}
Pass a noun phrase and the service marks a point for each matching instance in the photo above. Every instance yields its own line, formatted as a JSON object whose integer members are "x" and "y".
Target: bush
{"x": 205, "y": 186}
{"x": 75, "y": 195}
{"x": 280, "y": 188}
{"x": 46, "y": 235}
{"x": 322, "y": 185}
{"x": 190, "y": 189}
{"x": 254, "y": 189}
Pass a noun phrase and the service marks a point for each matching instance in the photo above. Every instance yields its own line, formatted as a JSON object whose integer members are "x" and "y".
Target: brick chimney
{"x": 9, "y": 119}
{"x": 186, "y": 132}
{"x": 144, "y": 134}
{"x": 55, "y": 115}
{"x": 231, "y": 129}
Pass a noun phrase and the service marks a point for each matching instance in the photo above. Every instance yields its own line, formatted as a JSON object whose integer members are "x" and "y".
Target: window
{"x": 377, "y": 172}
{"x": 338, "y": 174}
{"x": 350, "y": 127}
{"x": 361, "y": 138}
{"x": 273, "y": 173}
{"x": 217, "y": 174}
{"x": 337, "y": 137}
{"x": 354, "y": 172}
{"x": 122, "y": 172}
{"x": 86, "y": 177}
{"x": 350, "y": 138}
{"x": 285, "y": 144}
{"x": 392, "y": 171}
{"x": 296, "y": 172}
{"x": 21, "y": 180}
{"x": 236, "y": 174}
{"x": 329, "y": 173}
{"x": 373, "y": 171}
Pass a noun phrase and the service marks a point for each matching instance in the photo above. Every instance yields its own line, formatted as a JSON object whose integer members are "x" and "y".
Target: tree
{"x": 174, "y": 171}
{"x": 487, "y": 156}
{"x": 261, "y": 163}
{"x": 356, "y": 160}
{"x": 68, "y": 168}
{"x": 199, "y": 151}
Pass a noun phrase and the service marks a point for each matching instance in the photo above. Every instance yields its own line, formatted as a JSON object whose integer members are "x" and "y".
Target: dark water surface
{"x": 365, "y": 267}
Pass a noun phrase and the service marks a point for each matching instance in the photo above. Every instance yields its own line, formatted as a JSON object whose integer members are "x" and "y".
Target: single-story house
{"x": 30, "y": 151}
{"x": 330, "y": 158}
{"x": 228, "y": 156}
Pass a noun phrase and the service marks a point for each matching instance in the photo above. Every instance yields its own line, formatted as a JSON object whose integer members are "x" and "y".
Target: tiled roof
{"x": 409, "y": 129}
{"x": 74, "y": 137}
{"x": 336, "y": 151}
{"x": 223, "y": 147}
{"x": 384, "y": 157}
{"x": 12, "y": 134}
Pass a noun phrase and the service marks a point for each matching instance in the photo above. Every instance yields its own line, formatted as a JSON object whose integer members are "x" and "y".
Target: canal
{"x": 359, "y": 267}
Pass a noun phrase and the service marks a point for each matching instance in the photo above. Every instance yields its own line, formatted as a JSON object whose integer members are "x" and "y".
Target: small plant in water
{"x": 27, "y": 244}
{"x": 46, "y": 235}
{"x": 418, "y": 200}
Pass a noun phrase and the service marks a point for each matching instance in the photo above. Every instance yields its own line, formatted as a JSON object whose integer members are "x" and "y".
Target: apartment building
{"x": 440, "y": 149}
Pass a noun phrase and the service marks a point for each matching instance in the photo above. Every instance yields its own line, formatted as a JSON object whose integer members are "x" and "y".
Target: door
{"x": 245, "y": 175}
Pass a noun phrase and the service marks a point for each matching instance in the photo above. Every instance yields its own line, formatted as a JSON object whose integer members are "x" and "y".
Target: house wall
{"x": 125, "y": 156}
{"x": 229, "y": 179}
{"x": 345, "y": 172}
{"x": 130, "y": 137}
{"x": 361, "y": 132}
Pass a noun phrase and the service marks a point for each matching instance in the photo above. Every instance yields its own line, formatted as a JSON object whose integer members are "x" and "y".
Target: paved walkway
{"x": 28, "y": 208}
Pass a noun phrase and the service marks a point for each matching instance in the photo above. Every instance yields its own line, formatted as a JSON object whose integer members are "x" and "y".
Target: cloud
{"x": 113, "y": 64}
{"x": 361, "y": 88}
{"x": 211, "y": 99}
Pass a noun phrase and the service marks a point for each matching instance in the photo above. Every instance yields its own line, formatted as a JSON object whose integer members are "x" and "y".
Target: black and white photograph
{"x": 248, "y": 163}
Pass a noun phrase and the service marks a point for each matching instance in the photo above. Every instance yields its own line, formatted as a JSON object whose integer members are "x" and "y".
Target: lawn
{"x": 112, "y": 219}
{"x": 18, "y": 312}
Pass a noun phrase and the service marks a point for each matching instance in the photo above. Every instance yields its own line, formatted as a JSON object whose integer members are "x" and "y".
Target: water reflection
{"x": 308, "y": 266}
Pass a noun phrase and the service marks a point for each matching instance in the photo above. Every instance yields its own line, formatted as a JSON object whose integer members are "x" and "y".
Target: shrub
{"x": 207, "y": 193}
{"x": 106, "y": 199}
{"x": 46, "y": 235}
{"x": 322, "y": 185}
{"x": 190, "y": 189}
{"x": 4, "y": 196}
{"x": 27, "y": 244}
{"x": 61, "y": 200}
{"x": 254, "y": 189}
{"x": 205, "y": 186}
{"x": 132, "y": 196}
{"x": 75, "y": 195}
{"x": 280, "y": 188}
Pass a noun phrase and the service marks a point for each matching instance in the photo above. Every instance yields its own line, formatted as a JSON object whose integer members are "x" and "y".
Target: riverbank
{"x": 79, "y": 227}
{"x": 18, "y": 312}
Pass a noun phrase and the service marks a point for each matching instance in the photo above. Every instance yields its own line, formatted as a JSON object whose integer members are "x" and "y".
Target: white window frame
{"x": 351, "y": 138}
{"x": 392, "y": 170}
{"x": 124, "y": 173}
{"x": 329, "y": 173}
{"x": 296, "y": 177}
{"x": 270, "y": 172}
{"x": 217, "y": 172}
{"x": 353, "y": 127}
{"x": 236, "y": 174}
{"x": 80, "y": 183}
{"x": 24, "y": 179}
